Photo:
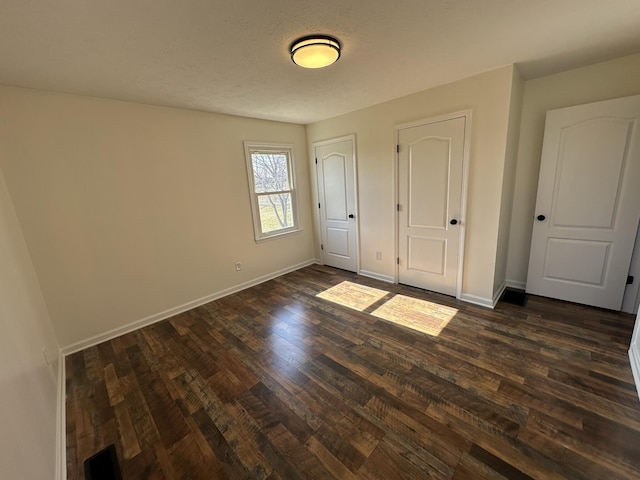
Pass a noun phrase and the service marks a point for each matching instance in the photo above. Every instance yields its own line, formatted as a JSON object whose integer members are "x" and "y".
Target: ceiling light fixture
{"x": 315, "y": 51}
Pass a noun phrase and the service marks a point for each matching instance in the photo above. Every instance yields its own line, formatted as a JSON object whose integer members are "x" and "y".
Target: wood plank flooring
{"x": 277, "y": 383}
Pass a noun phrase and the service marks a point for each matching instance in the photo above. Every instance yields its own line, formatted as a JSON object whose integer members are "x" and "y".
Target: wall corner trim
{"x": 498, "y": 294}
{"x": 634, "y": 360}
{"x": 481, "y": 301}
{"x": 485, "y": 302}
{"x": 61, "y": 422}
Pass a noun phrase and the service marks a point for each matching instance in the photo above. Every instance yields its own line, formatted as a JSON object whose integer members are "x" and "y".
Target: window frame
{"x": 271, "y": 148}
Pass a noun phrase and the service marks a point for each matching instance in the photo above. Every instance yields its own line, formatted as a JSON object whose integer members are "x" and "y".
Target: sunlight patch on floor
{"x": 352, "y": 295}
{"x": 421, "y": 315}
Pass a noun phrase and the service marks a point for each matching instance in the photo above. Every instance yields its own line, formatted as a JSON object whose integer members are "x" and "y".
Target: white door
{"x": 336, "y": 174}
{"x": 634, "y": 354}
{"x": 430, "y": 188}
{"x": 588, "y": 203}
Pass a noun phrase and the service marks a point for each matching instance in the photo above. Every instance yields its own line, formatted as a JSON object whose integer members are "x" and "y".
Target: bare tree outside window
{"x": 273, "y": 195}
{"x": 271, "y": 175}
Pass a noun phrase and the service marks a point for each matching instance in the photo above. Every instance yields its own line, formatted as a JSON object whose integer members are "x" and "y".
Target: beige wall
{"x": 488, "y": 96}
{"x": 101, "y": 189}
{"x": 129, "y": 210}
{"x": 28, "y": 386}
{"x": 508, "y": 184}
{"x": 602, "y": 81}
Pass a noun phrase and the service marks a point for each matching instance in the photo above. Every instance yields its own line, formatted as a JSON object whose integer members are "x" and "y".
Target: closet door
{"x": 430, "y": 167}
{"x": 588, "y": 203}
{"x": 336, "y": 174}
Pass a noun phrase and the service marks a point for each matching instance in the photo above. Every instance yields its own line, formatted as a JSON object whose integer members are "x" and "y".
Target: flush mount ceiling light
{"x": 315, "y": 51}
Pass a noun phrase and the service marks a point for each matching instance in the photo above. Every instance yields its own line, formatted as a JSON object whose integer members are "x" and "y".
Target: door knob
{"x": 541, "y": 218}
{"x": 351, "y": 215}
{"x": 453, "y": 221}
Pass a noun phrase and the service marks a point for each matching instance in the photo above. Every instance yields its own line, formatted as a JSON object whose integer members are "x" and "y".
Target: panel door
{"x": 634, "y": 354}
{"x": 430, "y": 163}
{"x": 588, "y": 203}
{"x": 336, "y": 174}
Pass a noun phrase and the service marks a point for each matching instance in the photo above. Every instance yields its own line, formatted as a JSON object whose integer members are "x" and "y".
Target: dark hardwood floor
{"x": 274, "y": 382}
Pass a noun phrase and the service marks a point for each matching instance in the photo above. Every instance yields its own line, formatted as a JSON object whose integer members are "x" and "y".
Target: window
{"x": 272, "y": 188}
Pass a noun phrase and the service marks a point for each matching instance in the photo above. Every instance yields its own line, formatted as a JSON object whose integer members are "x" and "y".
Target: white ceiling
{"x": 232, "y": 56}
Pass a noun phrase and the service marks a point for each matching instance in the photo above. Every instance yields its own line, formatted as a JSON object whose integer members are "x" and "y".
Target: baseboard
{"x": 483, "y": 302}
{"x": 377, "y": 276}
{"x": 116, "y": 332}
{"x": 516, "y": 284}
{"x": 634, "y": 359}
{"x": 61, "y": 422}
{"x": 498, "y": 294}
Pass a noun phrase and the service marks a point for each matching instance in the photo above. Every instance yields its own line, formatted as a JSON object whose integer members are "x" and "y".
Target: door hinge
{"x": 397, "y": 148}
{"x": 321, "y": 247}
{"x": 629, "y": 279}
{"x": 398, "y": 260}
{"x": 316, "y": 161}
{"x": 397, "y": 207}
{"x": 318, "y": 204}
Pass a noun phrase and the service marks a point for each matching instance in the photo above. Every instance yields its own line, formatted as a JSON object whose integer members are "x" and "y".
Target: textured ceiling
{"x": 231, "y": 56}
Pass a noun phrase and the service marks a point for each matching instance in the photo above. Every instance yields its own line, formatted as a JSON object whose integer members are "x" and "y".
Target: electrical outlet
{"x": 238, "y": 266}
{"x": 378, "y": 255}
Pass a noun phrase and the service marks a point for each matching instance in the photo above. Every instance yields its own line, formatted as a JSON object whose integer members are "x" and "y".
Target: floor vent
{"x": 515, "y": 297}
{"x": 103, "y": 465}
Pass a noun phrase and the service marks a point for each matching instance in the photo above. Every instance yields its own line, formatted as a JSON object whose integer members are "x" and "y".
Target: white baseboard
{"x": 634, "y": 359}
{"x": 116, "y": 332}
{"x": 376, "y": 276}
{"x": 498, "y": 294}
{"x": 516, "y": 284}
{"x": 483, "y": 302}
{"x": 61, "y": 422}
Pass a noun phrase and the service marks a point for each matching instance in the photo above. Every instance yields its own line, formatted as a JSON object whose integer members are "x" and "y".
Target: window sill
{"x": 279, "y": 234}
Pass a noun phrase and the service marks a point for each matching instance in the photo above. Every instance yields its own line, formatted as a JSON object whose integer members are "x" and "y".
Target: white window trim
{"x": 252, "y": 147}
